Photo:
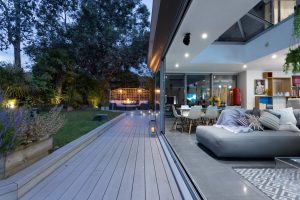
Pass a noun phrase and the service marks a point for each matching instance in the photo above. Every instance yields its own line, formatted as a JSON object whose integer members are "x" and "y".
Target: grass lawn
{"x": 77, "y": 124}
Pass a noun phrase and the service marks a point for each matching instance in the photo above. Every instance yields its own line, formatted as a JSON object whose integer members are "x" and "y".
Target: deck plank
{"x": 126, "y": 162}
{"x": 113, "y": 167}
{"x": 50, "y": 184}
{"x": 150, "y": 174}
{"x": 90, "y": 184}
{"x": 116, "y": 180}
{"x": 72, "y": 191}
{"x": 172, "y": 182}
{"x": 139, "y": 182}
{"x": 163, "y": 184}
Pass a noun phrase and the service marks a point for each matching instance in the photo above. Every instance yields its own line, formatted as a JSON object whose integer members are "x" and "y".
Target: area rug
{"x": 278, "y": 184}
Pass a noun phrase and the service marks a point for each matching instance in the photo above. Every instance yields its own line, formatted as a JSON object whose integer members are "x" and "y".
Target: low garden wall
{"x": 24, "y": 156}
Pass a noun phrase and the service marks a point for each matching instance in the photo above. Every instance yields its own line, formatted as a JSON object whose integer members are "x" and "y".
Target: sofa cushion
{"x": 297, "y": 116}
{"x": 269, "y": 120}
{"x": 287, "y": 115}
{"x": 256, "y": 144}
{"x": 289, "y": 127}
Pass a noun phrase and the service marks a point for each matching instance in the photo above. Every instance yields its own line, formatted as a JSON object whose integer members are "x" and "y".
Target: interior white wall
{"x": 246, "y": 85}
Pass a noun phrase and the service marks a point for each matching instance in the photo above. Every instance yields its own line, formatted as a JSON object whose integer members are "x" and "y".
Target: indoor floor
{"x": 214, "y": 178}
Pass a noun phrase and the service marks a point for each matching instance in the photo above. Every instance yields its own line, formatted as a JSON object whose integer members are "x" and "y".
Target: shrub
{"x": 43, "y": 125}
{"x": 18, "y": 127}
{"x": 12, "y": 127}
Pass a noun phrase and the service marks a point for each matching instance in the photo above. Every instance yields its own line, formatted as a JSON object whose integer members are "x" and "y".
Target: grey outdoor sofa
{"x": 257, "y": 144}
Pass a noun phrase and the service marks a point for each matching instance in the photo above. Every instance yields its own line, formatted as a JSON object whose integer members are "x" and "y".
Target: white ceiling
{"x": 214, "y": 17}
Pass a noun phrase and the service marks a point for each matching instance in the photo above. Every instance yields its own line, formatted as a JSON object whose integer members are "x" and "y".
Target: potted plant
{"x": 292, "y": 60}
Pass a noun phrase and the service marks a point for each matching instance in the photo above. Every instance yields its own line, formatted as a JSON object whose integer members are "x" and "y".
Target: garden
{"x": 76, "y": 56}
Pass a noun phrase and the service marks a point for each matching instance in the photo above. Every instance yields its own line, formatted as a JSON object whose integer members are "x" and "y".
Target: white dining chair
{"x": 193, "y": 117}
{"x": 184, "y": 110}
{"x": 178, "y": 119}
{"x": 211, "y": 114}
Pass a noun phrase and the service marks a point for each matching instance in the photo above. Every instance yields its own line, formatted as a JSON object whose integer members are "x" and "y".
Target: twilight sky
{"x": 8, "y": 55}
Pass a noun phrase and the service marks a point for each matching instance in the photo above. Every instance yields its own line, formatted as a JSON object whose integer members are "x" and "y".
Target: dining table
{"x": 184, "y": 111}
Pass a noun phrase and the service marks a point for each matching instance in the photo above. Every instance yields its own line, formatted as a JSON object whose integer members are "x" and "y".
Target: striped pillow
{"x": 269, "y": 120}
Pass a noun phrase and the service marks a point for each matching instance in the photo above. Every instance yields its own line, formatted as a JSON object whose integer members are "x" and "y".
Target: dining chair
{"x": 178, "y": 119}
{"x": 193, "y": 117}
{"x": 211, "y": 114}
{"x": 184, "y": 110}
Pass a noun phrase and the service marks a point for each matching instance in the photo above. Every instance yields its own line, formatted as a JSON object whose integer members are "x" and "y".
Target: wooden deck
{"x": 126, "y": 162}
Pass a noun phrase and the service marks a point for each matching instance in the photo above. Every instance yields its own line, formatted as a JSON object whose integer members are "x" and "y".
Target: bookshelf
{"x": 278, "y": 91}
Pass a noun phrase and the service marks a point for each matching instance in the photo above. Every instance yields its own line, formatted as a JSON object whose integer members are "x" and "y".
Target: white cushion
{"x": 286, "y": 115}
{"x": 289, "y": 127}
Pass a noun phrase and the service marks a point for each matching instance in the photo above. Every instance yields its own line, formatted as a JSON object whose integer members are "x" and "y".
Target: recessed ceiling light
{"x": 244, "y": 66}
{"x": 176, "y": 65}
{"x": 204, "y": 35}
{"x": 274, "y": 56}
{"x": 186, "y": 55}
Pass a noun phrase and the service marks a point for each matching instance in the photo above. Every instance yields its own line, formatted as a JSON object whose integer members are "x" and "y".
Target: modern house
{"x": 227, "y": 55}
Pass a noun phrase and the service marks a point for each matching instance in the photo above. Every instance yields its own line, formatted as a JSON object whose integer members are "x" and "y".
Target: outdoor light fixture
{"x": 244, "y": 66}
{"x": 139, "y": 90}
{"x": 186, "y": 55}
{"x": 152, "y": 126}
{"x": 204, "y": 36}
{"x": 187, "y": 39}
{"x": 11, "y": 103}
{"x": 274, "y": 56}
{"x": 176, "y": 65}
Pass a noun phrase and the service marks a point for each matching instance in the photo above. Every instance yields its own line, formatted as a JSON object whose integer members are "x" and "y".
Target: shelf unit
{"x": 279, "y": 88}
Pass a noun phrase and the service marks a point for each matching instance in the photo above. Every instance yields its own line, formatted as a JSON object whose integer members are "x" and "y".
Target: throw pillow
{"x": 256, "y": 112}
{"x": 269, "y": 120}
{"x": 243, "y": 121}
{"x": 287, "y": 115}
{"x": 289, "y": 127}
{"x": 254, "y": 123}
{"x": 276, "y": 114}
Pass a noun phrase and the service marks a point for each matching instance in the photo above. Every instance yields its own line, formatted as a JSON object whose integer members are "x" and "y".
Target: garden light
{"x": 11, "y": 103}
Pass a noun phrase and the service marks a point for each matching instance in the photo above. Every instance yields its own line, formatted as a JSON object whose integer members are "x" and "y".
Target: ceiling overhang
{"x": 166, "y": 15}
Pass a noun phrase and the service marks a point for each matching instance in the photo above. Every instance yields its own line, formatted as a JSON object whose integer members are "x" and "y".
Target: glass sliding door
{"x": 198, "y": 89}
{"x": 175, "y": 89}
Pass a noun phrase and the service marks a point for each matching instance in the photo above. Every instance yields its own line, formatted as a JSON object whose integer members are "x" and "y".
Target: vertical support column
{"x": 162, "y": 95}
{"x": 211, "y": 85}
{"x": 279, "y": 11}
{"x": 185, "y": 89}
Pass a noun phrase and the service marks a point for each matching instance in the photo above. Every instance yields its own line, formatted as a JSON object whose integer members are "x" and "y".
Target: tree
{"x": 16, "y": 19}
{"x": 110, "y": 37}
